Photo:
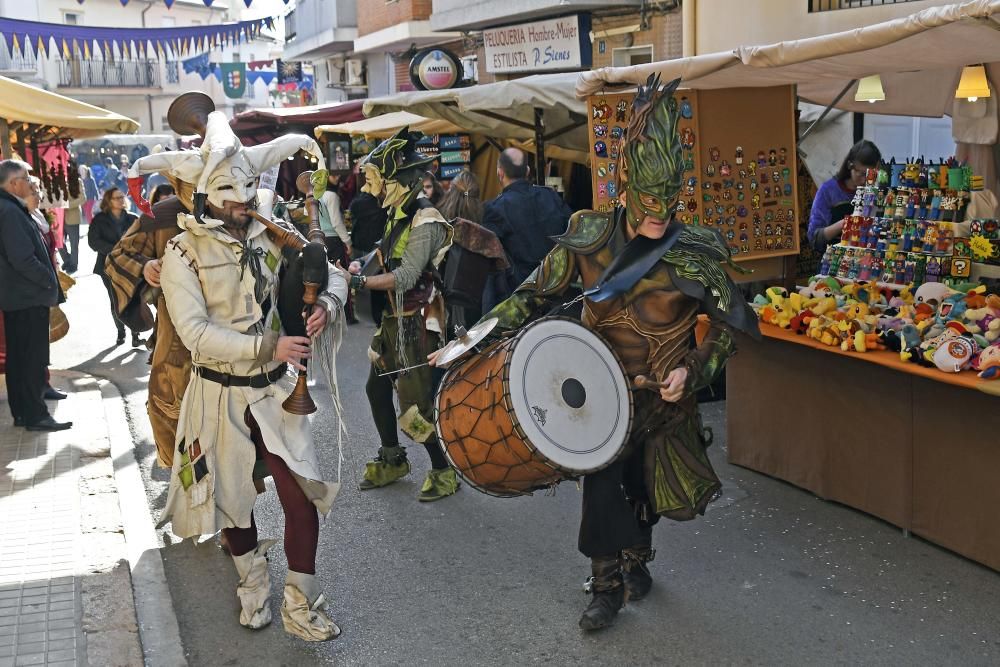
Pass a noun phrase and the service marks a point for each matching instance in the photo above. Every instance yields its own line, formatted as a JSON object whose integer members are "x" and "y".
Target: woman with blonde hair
{"x": 462, "y": 199}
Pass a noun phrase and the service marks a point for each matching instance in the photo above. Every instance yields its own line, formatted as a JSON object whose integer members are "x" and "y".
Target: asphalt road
{"x": 771, "y": 575}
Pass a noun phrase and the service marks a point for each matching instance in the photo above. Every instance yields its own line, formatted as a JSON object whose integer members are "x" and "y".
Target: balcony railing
{"x": 832, "y": 5}
{"x": 16, "y": 62}
{"x": 109, "y": 74}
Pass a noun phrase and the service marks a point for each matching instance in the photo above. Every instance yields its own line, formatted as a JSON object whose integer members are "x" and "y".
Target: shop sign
{"x": 435, "y": 69}
{"x": 552, "y": 44}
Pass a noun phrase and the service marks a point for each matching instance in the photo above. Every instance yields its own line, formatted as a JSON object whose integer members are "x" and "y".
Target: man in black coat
{"x": 28, "y": 288}
{"x": 524, "y": 217}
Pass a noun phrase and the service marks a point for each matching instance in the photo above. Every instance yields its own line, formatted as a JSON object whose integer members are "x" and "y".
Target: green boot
{"x": 388, "y": 466}
{"x": 439, "y": 483}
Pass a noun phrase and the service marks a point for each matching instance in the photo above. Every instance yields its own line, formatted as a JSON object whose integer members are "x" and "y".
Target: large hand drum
{"x": 550, "y": 404}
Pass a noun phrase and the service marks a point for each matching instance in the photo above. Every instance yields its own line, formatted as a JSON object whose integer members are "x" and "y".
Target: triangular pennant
{"x": 86, "y": 50}
{"x": 65, "y": 50}
{"x": 170, "y": 3}
{"x": 41, "y": 46}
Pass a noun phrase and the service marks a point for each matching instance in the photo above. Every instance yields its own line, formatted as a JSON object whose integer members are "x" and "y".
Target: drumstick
{"x": 645, "y": 382}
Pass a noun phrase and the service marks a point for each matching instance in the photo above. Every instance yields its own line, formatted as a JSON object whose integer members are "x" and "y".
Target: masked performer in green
{"x": 415, "y": 241}
{"x": 646, "y": 278}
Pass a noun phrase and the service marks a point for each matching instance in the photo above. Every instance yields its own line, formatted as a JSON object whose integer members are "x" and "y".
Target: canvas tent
{"x": 31, "y": 114}
{"x": 919, "y": 58}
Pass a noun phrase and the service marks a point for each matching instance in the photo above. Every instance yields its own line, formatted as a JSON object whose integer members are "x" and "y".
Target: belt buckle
{"x": 226, "y": 379}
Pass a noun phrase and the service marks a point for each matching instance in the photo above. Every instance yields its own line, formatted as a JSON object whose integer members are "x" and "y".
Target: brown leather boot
{"x": 635, "y": 572}
{"x": 609, "y": 594}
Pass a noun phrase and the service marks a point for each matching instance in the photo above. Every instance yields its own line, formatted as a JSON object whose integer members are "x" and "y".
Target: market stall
{"x": 35, "y": 125}
{"x": 868, "y": 388}
{"x": 255, "y": 126}
{"x": 542, "y": 109}
{"x": 483, "y": 149}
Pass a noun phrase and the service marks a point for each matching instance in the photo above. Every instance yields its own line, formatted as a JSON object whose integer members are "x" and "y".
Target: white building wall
{"x": 148, "y": 106}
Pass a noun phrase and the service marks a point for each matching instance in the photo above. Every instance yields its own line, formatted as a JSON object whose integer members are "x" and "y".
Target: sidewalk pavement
{"x": 65, "y": 585}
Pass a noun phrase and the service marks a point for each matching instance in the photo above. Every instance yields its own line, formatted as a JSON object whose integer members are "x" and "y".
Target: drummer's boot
{"x": 438, "y": 484}
{"x": 390, "y": 464}
{"x": 635, "y": 572}
{"x": 254, "y": 590}
{"x": 304, "y": 611}
{"x": 609, "y": 594}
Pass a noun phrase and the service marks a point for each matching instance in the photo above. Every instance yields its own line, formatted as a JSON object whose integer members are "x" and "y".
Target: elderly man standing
{"x": 524, "y": 217}
{"x": 29, "y": 289}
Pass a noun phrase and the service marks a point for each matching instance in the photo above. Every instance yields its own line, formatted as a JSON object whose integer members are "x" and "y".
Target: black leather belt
{"x": 258, "y": 381}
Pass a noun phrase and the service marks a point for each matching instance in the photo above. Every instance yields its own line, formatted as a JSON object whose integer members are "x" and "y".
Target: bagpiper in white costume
{"x": 220, "y": 280}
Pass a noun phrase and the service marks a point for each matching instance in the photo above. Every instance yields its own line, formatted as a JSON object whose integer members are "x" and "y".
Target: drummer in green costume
{"x": 414, "y": 242}
{"x": 646, "y": 278}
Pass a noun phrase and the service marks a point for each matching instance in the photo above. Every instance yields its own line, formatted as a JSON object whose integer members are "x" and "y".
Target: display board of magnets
{"x": 608, "y": 118}
{"x": 740, "y": 163}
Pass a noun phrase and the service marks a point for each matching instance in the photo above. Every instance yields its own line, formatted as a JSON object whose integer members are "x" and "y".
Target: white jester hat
{"x": 223, "y": 169}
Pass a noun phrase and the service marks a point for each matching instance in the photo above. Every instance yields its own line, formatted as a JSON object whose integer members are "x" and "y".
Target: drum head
{"x": 570, "y": 395}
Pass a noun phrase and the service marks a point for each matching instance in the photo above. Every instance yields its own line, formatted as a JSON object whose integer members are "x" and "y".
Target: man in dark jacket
{"x": 525, "y": 217}
{"x": 29, "y": 289}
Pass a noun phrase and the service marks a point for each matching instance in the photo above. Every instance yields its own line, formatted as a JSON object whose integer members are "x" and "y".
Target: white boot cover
{"x": 304, "y": 609}
{"x": 255, "y": 586}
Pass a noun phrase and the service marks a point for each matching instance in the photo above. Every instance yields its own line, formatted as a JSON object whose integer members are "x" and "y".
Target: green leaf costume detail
{"x": 650, "y": 169}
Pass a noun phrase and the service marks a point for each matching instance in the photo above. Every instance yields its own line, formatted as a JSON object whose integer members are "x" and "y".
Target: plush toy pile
{"x": 935, "y": 326}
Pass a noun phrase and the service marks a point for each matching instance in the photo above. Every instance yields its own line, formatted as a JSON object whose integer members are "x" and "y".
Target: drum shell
{"x": 479, "y": 433}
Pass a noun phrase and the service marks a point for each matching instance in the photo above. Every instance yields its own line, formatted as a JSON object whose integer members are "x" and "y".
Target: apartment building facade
{"x": 141, "y": 89}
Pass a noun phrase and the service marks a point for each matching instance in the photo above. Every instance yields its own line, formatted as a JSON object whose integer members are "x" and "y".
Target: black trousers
{"x": 114, "y": 306}
{"x": 613, "y": 500}
{"x": 70, "y": 252}
{"x": 27, "y": 332}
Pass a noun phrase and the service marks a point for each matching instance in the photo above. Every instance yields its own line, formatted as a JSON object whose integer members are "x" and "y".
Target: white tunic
{"x": 220, "y": 321}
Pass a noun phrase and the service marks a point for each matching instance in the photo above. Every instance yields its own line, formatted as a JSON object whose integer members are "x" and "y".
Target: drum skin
{"x": 479, "y": 432}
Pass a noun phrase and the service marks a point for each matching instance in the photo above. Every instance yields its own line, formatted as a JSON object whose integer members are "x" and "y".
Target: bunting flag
{"x": 170, "y": 3}
{"x": 198, "y": 65}
{"x": 128, "y": 42}
{"x": 289, "y": 72}
{"x": 260, "y": 64}
{"x": 234, "y": 79}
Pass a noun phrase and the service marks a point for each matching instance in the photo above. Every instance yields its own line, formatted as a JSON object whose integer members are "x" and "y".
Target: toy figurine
{"x": 751, "y": 168}
{"x": 865, "y": 270}
{"x": 932, "y": 273}
{"x": 909, "y": 269}
{"x": 988, "y": 363}
{"x": 739, "y": 155}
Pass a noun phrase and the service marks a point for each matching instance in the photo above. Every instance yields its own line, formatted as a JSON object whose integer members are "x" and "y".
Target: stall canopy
{"x": 265, "y": 124}
{"x": 388, "y": 124}
{"x": 919, "y": 58}
{"x": 39, "y": 115}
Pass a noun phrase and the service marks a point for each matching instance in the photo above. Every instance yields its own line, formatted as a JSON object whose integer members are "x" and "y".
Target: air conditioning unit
{"x": 335, "y": 71}
{"x": 354, "y": 72}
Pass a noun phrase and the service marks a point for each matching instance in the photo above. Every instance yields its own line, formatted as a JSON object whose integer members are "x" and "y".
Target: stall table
{"x": 911, "y": 445}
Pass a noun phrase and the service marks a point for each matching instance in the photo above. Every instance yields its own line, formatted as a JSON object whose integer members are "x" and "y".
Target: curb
{"x": 154, "y": 609}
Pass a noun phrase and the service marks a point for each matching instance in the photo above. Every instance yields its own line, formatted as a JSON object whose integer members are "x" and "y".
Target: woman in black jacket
{"x": 105, "y": 229}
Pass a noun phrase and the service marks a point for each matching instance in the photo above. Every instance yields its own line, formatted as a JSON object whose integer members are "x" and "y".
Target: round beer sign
{"x": 435, "y": 69}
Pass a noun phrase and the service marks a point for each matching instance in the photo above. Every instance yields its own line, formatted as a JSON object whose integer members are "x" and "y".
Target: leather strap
{"x": 258, "y": 381}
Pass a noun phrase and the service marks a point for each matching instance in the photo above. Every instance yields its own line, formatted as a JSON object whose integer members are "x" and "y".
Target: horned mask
{"x": 222, "y": 169}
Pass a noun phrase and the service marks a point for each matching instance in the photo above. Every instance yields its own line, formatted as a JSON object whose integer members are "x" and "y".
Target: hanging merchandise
{"x": 234, "y": 79}
{"x": 152, "y": 43}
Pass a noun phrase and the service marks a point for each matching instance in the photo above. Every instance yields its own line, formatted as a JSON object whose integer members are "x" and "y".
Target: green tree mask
{"x": 650, "y": 169}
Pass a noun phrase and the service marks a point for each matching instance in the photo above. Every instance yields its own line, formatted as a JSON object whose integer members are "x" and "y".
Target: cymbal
{"x": 189, "y": 112}
{"x": 465, "y": 341}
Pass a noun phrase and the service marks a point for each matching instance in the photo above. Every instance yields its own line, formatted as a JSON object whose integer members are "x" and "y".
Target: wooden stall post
{"x": 539, "y": 146}
{"x": 5, "y": 139}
